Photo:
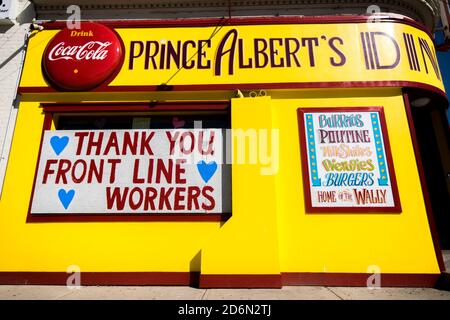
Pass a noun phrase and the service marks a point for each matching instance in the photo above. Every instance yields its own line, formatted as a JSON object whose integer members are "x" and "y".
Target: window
{"x": 186, "y": 120}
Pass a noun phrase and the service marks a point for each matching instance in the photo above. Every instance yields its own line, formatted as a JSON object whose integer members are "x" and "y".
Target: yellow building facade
{"x": 266, "y": 78}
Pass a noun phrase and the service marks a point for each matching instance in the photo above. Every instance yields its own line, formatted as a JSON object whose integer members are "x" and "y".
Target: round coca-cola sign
{"x": 81, "y": 59}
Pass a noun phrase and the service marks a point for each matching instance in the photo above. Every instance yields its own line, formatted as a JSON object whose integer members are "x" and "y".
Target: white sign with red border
{"x": 346, "y": 160}
{"x": 131, "y": 171}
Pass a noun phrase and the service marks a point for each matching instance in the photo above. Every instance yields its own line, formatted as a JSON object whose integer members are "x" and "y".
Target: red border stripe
{"x": 194, "y": 278}
{"x": 250, "y": 86}
{"x": 241, "y": 281}
{"x": 359, "y": 279}
{"x": 100, "y": 278}
{"x": 135, "y": 106}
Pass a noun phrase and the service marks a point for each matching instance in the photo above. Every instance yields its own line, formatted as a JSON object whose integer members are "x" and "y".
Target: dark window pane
{"x": 68, "y": 122}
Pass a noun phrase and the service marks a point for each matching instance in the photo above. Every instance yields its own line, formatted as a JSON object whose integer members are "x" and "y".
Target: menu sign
{"x": 347, "y": 164}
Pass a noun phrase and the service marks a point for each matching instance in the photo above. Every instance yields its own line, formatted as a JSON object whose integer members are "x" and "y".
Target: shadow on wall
{"x": 25, "y": 15}
{"x": 4, "y": 29}
{"x": 14, "y": 54}
{"x": 194, "y": 270}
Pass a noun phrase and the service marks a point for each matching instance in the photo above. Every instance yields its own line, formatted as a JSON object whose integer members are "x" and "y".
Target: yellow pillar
{"x": 245, "y": 251}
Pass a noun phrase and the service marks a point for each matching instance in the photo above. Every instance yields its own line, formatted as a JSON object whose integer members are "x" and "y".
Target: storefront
{"x": 253, "y": 152}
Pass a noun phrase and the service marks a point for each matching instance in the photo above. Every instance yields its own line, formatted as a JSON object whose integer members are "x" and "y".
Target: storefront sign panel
{"x": 346, "y": 158}
{"x": 130, "y": 171}
{"x": 310, "y": 54}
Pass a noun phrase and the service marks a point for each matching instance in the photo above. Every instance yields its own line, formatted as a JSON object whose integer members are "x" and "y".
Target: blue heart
{"x": 206, "y": 170}
{"x": 66, "y": 197}
{"x": 58, "y": 144}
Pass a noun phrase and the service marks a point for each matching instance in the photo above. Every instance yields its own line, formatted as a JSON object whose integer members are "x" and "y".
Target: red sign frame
{"x": 50, "y": 109}
{"x": 309, "y": 208}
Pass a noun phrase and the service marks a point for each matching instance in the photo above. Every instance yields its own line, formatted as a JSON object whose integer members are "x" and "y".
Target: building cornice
{"x": 424, "y": 11}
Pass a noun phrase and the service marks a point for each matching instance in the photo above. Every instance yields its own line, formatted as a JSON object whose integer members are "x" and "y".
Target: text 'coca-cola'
{"x": 82, "y": 59}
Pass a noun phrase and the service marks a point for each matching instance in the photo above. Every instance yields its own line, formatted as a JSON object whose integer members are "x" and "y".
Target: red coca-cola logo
{"x": 82, "y": 59}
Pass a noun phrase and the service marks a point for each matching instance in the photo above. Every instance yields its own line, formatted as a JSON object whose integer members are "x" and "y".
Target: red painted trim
{"x": 423, "y": 183}
{"x": 443, "y": 47}
{"x": 159, "y": 217}
{"x": 134, "y": 106}
{"x": 123, "y": 217}
{"x": 101, "y": 278}
{"x": 237, "y": 21}
{"x": 240, "y": 281}
{"x": 48, "y": 119}
{"x": 358, "y": 279}
{"x": 194, "y": 278}
{"x": 251, "y": 86}
{"x": 305, "y": 166}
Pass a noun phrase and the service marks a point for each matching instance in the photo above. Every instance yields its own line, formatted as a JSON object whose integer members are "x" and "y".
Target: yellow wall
{"x": 111, "y": 246}
{"x": 396, "y": 243}
{"x": 269, "y": 232}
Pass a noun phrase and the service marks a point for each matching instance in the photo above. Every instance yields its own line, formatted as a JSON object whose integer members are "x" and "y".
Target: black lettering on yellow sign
{"x": 231, "y": 53}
